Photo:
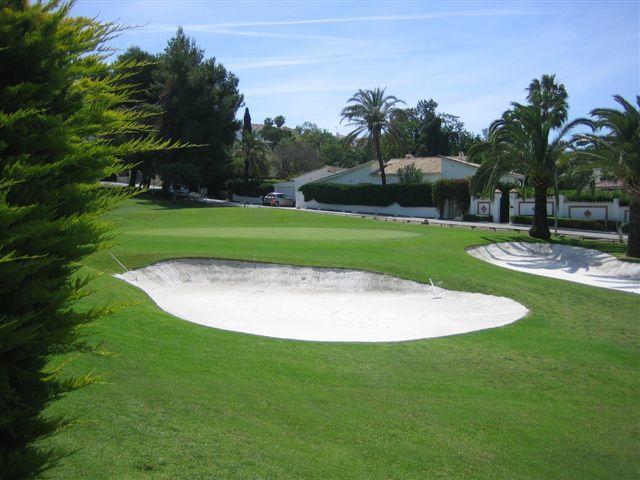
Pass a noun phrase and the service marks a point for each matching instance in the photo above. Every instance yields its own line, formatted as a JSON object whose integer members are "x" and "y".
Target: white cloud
{"x": 376, "y": 18}
{"x": 213, "y": 29}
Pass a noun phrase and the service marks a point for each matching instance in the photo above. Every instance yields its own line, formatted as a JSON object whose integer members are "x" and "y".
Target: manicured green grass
{"x": 554, "y": 395}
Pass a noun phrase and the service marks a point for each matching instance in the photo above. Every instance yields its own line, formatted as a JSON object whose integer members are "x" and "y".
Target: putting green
{"x": 280, "y": 233}
{"x": 554, "y": 395}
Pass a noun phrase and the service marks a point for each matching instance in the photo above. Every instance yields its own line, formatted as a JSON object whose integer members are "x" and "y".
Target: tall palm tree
{"x": 254, "y": 153}
{"x": 614, "y": 147}
{"x": 370, "y": 113}
{"x": 530, "y": 139}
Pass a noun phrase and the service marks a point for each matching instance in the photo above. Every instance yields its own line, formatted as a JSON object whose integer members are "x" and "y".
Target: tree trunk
{"x": 540, "y": 227}
{"x": 633, "y": 242}
{"x": 376, "y": 145}
{"x": 132, "y": 177}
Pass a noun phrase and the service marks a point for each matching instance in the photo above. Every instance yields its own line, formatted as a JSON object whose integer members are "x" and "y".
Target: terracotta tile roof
{"x": 424, "y": 164}
{"x": 609, "y": 184}
{"x": 427, "y": 165}
{"x": 461, "y": 159}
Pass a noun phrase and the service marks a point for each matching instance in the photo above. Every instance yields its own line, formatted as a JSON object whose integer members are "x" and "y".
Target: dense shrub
{"x": 413, "y": 195}
{"x": 583, "y": 196}
{"x": 574, "y": 223}
{"x": 595, "y": 197}
{"x": 454, "y": 190}
{"x": 61, "y": 109}
{"x": 251, "y": 188}
{"x": 409, "y": 174}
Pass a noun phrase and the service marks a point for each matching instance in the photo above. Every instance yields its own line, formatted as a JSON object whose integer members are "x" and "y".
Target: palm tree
{"x": 370, "y": 114}
{"x": 253, "y": 152}
{"x": 529, "y": 139}
{"x": 616, "y": 151}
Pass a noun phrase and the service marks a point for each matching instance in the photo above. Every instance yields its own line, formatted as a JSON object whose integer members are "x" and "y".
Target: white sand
{"x": 575, "y": 264}
{"x": 318, "y": 304}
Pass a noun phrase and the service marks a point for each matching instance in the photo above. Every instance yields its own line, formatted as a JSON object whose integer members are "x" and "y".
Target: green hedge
{"x": 597, "y": 196}
{"x": 575, "y": 223}
{"x": 250, "y": 188}
{"x": 583, "y": 196}
{"x": 456, "y": 190}
{"x": 407, "y": 195}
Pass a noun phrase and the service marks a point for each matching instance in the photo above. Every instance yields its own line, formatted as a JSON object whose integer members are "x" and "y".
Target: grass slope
{"x": 554, "y": 395}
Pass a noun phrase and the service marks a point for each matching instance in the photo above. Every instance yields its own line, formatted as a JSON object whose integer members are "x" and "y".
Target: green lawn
{"x": 554, "y": 395}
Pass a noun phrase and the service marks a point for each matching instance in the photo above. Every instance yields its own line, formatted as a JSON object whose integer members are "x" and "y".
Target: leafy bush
{"x": 595, "y": 197}
{"x": 409, "y": 174}
{"x": 583, "y": 196}
{"x": 414, "y": 195}
{"x": 251, "y": 188}
{"x": 574, "y": 223}
{"x": 455, "y": 190}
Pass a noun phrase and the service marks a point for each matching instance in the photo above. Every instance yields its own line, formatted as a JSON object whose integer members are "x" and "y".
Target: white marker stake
{"x": 435, "y": 295}
{"x": 119, "y": 263}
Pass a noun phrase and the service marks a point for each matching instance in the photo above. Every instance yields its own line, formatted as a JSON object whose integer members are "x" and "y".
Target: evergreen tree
{"x": 199, "y": 100}
{"x": 246, "y": 123}
{"x": 430, "y": 138}
{"x": 60, "y": 112}
{"x": 137, "y": 70}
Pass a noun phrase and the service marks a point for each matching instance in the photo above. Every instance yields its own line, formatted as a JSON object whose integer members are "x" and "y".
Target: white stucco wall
{"x": 486, "y": 206}
{"x": 611, "y": 211}
{"x": 359, "y": 174}
{"x": 454, "y": 170}
{"x": 249, "y": 200}
{"x": 393, "y": 209}
{"x": 288, "y": 188}
{"x": 292, "y": 187}
{"x": 527, "y": 205}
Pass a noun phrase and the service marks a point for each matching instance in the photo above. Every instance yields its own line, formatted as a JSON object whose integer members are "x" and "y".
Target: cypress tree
{"x": 246, "y": 127}
{"x": 61, "y": 109}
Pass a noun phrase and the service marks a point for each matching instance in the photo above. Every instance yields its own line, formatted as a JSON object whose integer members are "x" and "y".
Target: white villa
{"x": 432, "y": 168}
{"x": 292, "y": 187}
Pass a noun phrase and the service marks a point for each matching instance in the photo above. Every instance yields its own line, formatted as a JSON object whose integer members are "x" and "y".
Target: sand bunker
{"x": 319, "y": 304}
{"x": 575, "y": 264}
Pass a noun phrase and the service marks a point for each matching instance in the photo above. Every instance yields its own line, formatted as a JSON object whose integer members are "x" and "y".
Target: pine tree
{"x": 61, "y": 107}
{"x": 199, "y": 99}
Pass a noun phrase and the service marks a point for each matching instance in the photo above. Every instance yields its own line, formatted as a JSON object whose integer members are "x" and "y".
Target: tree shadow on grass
{"x": 163, "y": 201}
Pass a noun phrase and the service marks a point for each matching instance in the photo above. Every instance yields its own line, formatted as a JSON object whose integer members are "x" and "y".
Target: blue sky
{"x": 304, "y": 59}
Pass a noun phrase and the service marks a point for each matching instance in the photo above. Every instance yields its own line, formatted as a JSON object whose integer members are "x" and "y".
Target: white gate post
{"x": 513, "y": 200}
{"x": 495, "y": 205}
{"x": 616, "y": 212}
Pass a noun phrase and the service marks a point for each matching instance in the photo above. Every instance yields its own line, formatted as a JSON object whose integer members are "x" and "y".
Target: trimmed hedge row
{"x": 584, "y": 196}
{"x": 595, "y": 197}
{"x": 250, "y": 188}
{"x": 575, "y": 223}
{"x": 407, "y": 195}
